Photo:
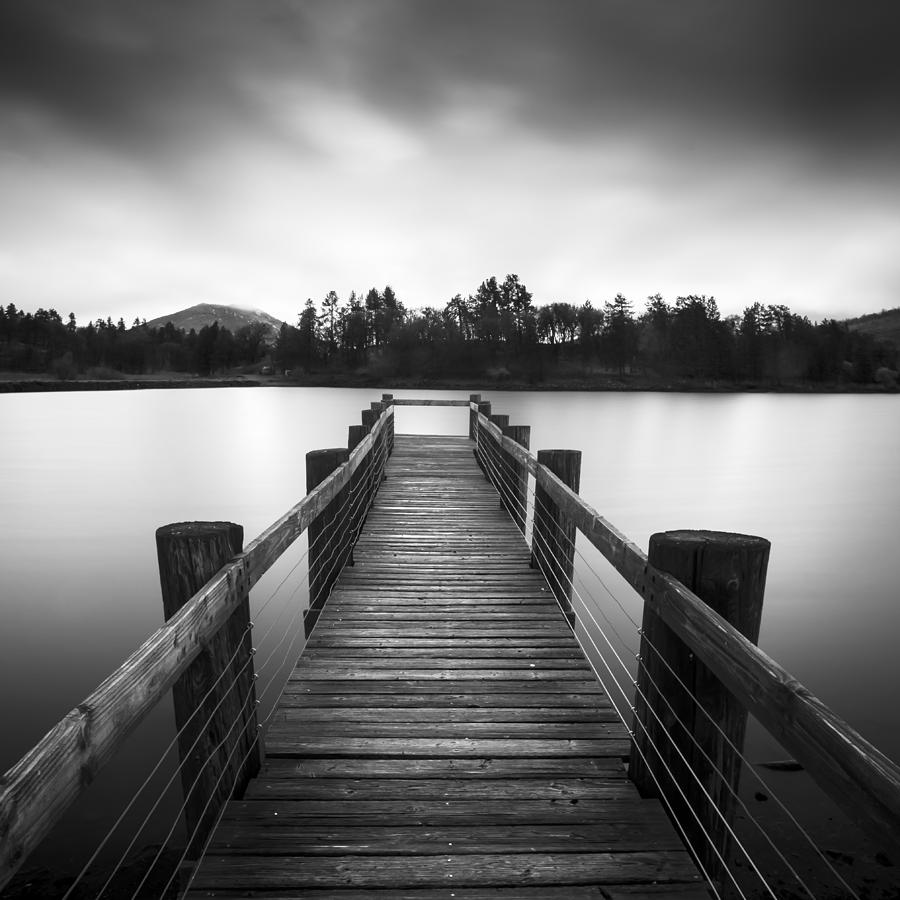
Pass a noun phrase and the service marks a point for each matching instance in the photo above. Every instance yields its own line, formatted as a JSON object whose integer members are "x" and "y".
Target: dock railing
{"x": 699, "y": 670}
{"x": 203, "y": 653}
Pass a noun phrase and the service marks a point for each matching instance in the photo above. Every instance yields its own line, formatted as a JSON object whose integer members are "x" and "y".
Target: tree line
{"x": 497, "y": 332}
{"x": 41, "y": 342}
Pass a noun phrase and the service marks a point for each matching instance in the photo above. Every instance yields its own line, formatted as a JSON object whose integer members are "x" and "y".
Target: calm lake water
{"x": 86, "y": 478}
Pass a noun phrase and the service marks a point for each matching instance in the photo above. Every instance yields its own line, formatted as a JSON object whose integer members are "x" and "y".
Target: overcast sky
{"x": 160, "y": 153}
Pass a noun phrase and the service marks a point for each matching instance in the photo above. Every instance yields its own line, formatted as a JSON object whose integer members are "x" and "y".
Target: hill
{"x": 885, "y": 326}
{"x": 231, "y": 317}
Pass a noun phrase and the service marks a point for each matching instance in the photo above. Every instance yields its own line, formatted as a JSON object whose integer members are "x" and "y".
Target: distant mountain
{"x": 231, "y": 317}
{"x": 884, "y": 325}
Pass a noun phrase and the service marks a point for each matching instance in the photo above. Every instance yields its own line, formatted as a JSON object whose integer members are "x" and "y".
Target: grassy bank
{"x": 15, "y": 382}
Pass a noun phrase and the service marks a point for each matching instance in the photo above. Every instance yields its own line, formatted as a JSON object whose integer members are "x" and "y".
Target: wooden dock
{"x": 443, "y": 734}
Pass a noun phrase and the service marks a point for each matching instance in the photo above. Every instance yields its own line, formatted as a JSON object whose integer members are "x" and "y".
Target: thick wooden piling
{"x": 369, "y": 417}
{"x": 328, "y": 542}
{"x": 215, "y": 698}
{"x": 554, "y": 532}
{"x": 386, "y": 401}
{"x": 728, "y": 572}
{"x": 499, "y": 462}
{"x": 356, "y": 511}
{"x": 516, "y": 475}
{"x": 380, "y": 449}
{"x": 484, "y": 407}
{"x": 355, "y": 434}
{"x": 473, "y": 415}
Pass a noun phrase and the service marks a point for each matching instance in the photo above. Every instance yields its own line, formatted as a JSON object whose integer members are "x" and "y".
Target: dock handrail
{"x": 37, "y": 791}
{"x": 863, "y": 782}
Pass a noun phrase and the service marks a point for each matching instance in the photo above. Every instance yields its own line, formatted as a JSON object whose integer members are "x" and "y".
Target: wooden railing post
{"x": 727, "y": 572}
{"x": 386, "y": 401}
{"x": 355, "y": 434}
{"x": 327, "y": 533}
{"x": 215, "y": 713}
{"x": 484, "y": 407}
{"x": 369, "y": 417}
{"x": 473, "y": 418}
{"x": 381, "y": 444}
{"x": 517, "y": 483}
{"x": 500, "y": 471}
{"x": 553, "y": 537}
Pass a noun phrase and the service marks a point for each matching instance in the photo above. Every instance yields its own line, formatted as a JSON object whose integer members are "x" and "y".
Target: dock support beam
{"x": 553, "y": 537}
{"x": 215, "y": 698}
{"x": 329, "y": 533}
{"x": 728, "y": 572}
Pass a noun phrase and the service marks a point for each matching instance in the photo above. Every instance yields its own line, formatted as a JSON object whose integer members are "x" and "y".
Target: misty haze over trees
{"x": 495, "y": 333}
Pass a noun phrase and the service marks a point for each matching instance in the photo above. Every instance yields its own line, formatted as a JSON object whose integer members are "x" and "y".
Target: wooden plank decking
{"x": 443, "y": 735}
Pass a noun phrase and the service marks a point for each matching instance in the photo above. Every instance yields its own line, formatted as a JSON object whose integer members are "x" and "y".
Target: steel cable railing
{"x": 738, "y": 799}
{"x": 546, "y": 549}
{"x": 538, "y": 549}
{"x": 335, "y": 544}
{"x": 496, "y": 461}
{"x": 499, "y": 462}
{"x": 334, "y": 559}
{"x": 261, "y": 729}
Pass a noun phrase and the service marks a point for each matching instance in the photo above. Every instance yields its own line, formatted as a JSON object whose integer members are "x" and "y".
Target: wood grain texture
{"x": 215, "y": 698}
{"x": 665, "y": 891}
{"x": 442, "y": 726}
{"x": 687, "y": 725}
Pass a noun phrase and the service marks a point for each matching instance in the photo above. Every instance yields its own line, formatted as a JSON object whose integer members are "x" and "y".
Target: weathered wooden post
{"x": 728, "y": 572}
{"x": 215, "y": 713}
{"x": 356, "y": 510}
{"x": 388, "y": 400}
{"x": 473, "y": 419}
{"x": 553, "y": 535}
{"x": 484, "y": 407}
{"x": 518, "y": 480}
{"x": 368, "y": 419}
{"x": 355, "y": 434}
{"x": 382, "y": 443}
{"x": 327, "y": 533}
{"x": 501, "y": 472}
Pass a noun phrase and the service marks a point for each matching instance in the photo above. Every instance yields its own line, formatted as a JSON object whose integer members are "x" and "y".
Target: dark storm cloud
{"x": 820, "y": 71}
{"x": 826, "y": 72}
{"x": 143, "y": 72}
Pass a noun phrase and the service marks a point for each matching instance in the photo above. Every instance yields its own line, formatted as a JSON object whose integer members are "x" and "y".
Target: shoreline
{"x": 14, "y": 385}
